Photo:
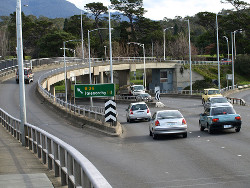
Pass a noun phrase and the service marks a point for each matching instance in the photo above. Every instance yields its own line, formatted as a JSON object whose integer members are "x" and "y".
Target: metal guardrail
{"x": 74, "y": 169}
{"x": 237, "y": 101}
{"x": 95, "y": 112}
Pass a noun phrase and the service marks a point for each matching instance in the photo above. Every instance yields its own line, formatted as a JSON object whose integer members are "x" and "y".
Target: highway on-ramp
{"x": 135, "y": 159}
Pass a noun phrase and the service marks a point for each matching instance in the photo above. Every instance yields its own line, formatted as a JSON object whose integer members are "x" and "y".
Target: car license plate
{"x": 227, "y": 126}
{"x": 171, "y": 124}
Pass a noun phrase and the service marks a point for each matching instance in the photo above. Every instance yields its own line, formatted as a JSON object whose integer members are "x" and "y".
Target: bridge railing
{"x": 95, "y": 112}
{"x": 68, "y": 163}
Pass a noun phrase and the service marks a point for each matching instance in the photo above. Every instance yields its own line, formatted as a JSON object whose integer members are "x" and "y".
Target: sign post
{"x": 157, "y": 93}
{"x": 94, "y": 90}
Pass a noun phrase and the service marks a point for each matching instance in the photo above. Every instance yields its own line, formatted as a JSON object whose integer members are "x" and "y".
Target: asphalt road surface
{"x": 135, "y": 159}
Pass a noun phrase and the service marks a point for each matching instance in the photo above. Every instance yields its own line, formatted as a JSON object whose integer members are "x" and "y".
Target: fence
{"x": 74, "y": 169}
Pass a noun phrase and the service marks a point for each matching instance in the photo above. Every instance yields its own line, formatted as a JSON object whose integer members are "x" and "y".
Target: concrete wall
{"x": 182, "y": 77}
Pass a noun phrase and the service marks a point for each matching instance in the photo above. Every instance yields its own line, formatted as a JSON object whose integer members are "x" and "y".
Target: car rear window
{"x": 139, "y": 107}
{"x": 219, "y": 100}
{"x": 211, "y": 92}
{"x": 222, "y": 110}
{"x": 169, "y": 115}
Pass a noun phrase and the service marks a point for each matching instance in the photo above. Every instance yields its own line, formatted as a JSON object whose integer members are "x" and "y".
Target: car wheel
{"x": 201, "y": 127}
{"x": 155, "y": 136}
{"x": 148, "y": 119}
{"x": 130, "y": 120}
{"x": 237, "y": 129}
{"x": 210, "y": 131}
{"x": 127, "y": 120}
{"x": 184, "y": 135}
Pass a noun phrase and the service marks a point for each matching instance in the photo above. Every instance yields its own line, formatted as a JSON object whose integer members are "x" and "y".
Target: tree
{"x": 238, "y": 5}
{"x": 97, "y": 9}
{"x": 50, "y": 44}
{"x": 132, "y": 9}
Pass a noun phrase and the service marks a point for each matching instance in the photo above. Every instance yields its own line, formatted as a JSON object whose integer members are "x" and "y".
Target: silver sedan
{"x": 167, "y": 122}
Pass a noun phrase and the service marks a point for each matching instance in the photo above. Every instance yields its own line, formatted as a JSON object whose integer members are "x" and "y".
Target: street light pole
{"x": 21, "y": 71}
{"x": 144, "y": 62}
{"x": 65, "y": 68}
{"x": 218, "y": 58}
{"x": 190, "y": 61}
{"x": 227, "y": 47}
{"x": 105, "y": 52}
{"x": 110, "y": 49}
{"x": 232, "y": 33}
{"x": 238, "y": 30}
{"x": 65, "y": 73}
{"x": 82, "y": 38}
{"x": 90, "y": 81}
{"x": 164, "y": 43}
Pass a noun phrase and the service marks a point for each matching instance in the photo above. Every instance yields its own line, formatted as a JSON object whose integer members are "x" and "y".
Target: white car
{"x": 138, "y": 111}
{"x": 217, "y": 101}
{"x": 166, "y": 122}
{"x": 137, "y": 89}
{"x": 28, "y": 75}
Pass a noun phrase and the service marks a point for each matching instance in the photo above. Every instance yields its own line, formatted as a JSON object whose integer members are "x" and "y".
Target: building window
{"x": 164, "y": 76}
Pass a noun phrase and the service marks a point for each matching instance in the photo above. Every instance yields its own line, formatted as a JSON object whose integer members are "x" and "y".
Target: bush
{"x": 242, "y": 65}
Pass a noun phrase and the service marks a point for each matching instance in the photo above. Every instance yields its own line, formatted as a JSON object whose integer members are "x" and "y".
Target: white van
{"x": 28, "y": 75}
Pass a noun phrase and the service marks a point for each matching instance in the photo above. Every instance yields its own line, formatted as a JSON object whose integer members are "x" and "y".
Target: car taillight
{"x": 157, "y": 123}
{"x": 238, "y": 118}
{"x": 147, "y": 110}
{"x": 215, "y": 119}
{"x": 131, "y": 112}
{"x": 184, "y": 122}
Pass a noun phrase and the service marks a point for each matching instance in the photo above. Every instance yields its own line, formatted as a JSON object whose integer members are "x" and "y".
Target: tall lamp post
{"x": 21, "y": 70}
{"x": 227, "y": 47}
{"x": 218, "y": 57}
{"x": 238, "y": 30}
{"x": 110, "y": 43}
{"x": 110, "y": 48}
{"x": 164, "y": 42}
{"x": 144, "y": 61}
{"x": 233, "y": 52}
{"x": 65, "y": 68}
{"x": 82, "y": 38}
{"x": 90, "y": 80}
{"x": 232, "y": 33}
{"x": 190, "y": 61}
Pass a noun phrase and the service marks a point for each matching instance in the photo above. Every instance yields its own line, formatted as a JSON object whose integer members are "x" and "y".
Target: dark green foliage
{"x": 51, "y": 43}
{"x": 242, "y": 65}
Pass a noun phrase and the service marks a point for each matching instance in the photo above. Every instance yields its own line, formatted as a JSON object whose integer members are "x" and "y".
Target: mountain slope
{"x": 48, "y": 8}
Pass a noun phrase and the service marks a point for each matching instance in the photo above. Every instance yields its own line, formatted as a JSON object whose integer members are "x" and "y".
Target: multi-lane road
{"x": 135, "y": 159}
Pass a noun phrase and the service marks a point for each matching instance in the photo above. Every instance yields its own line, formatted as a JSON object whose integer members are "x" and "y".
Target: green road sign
{"x": 94, "y": 90}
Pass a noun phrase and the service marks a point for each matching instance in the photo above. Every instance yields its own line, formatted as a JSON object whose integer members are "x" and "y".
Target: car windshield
{"x": 139, "y": 107}
{"x": 218, "y": 100}
{"x": 222, "y": 110}
{"x": 169, "y": 115}
{"x": 138, "y": 87}
{"x": 144, "y": 95}
{"x": 25, "y": 72}
{"x": 212, "y": 92}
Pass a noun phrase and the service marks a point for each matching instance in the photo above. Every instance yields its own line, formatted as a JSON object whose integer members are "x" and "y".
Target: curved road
{"x": 135, "y": 159}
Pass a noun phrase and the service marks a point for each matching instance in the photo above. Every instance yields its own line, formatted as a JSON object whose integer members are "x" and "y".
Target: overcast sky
{"x": 158, "y": 9}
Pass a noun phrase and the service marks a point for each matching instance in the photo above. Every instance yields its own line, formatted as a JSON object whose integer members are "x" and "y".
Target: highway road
{"x": 135, "y": 159}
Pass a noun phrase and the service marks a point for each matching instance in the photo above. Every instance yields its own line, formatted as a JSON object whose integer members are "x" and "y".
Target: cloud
{"x": 158, "y": 9}
{"x": 172, "y": 8}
